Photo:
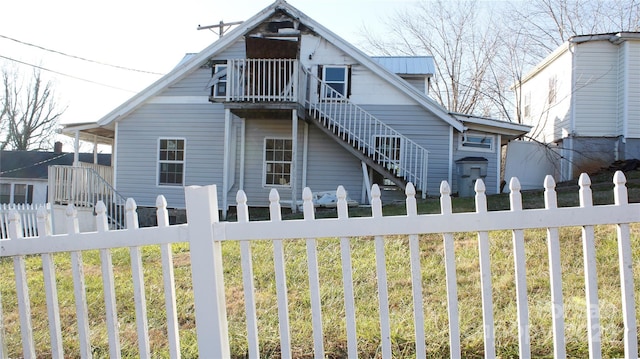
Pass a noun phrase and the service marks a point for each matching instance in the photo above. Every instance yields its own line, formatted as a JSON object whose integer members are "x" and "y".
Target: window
{"x": 553, "y": 82}
{"x": 336, "y": 77}
{"x": 220, "y": 84}
{"x": 16, "y": 193}
{"x": 527, "y": 105}
{"x": 277, "y": 162}
{"x": 171, "y": 162}
{"x": 472, "y": 141}
{"x": 5, "y": 192}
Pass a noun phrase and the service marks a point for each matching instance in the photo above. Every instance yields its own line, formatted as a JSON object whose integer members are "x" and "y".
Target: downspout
{"x": 572, "y": 117}
{"x": 499, "y": 161}
{"x": 305, "y": 154}
{"x": 114, "y": 158}
{"x": 243, "y": 129}
{"x": 225, "y": 163}
{"x": 625, "y": 93}
{"x": 450, "y": 174}
{"x": 294, "y": 160}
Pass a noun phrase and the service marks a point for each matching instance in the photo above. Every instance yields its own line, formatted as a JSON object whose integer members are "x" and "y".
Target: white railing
{"x": 216, "y": 335}
{"x": 398, "y": 154}
{"x": 84, "y": 187}
{"x": 27, "y": 214}
{"x": 262, "y": 80}
{"x": 105, "y": 172}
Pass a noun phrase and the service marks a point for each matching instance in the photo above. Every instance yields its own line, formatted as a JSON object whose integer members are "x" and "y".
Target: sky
{"x": 150, "y": 37}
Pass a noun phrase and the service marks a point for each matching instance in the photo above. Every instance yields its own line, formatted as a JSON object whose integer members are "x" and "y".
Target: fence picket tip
{"x": 161, "y": 202}
{"x": 550, "y": 197}
{"x": 620, "y": 193}
{"x": 514, "y": 184}
{"x": 70, "y": 211}
{"x": 343, "y": 211}
{"x": 481, "y": 196}
{"x": 376, "y": 202}
{"x": 274, "y": 205}
{"x": 515, "y": 197}
{"x": 445, "y": 188}
{"x": 307, "y": 204}
{"x": 585, "y": 194}
{"x": 445, "y": 198}
{"x": 101, "y": 208}
{"x": 411, "y": 205}
{"x": 241, "y": 197}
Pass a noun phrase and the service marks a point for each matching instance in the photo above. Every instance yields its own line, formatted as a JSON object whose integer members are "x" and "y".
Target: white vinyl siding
{"x": 596, "y": 89}
{"x": 633, "y": 95}
{"x": 203, "y": 128}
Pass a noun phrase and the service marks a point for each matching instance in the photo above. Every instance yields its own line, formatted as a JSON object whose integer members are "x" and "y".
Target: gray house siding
{"x": 491, "y": 180}
{"x": 426, "y": 130}
{"x": 202, "y": 126}
{"x": 330, "y": 166}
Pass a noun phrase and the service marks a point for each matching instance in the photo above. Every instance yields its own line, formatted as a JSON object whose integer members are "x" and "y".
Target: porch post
{"x": 294, "y": 160}
{"x": 76, "y": 149}
{"x": 95, "y": 149}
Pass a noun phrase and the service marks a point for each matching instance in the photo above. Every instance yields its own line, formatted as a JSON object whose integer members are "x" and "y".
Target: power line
{"x": 63, "y": 74}
{"x": 78, "y": 57}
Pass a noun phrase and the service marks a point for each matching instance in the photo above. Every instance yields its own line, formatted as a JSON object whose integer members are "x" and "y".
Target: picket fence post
{"x": 207, "y": 272}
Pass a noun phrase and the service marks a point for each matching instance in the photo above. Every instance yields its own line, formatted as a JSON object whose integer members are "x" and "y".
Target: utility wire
{"x": 63, "y": 74}
{"x": 78, "y": 57}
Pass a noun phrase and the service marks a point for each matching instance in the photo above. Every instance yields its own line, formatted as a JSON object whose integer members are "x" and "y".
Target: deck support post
{"x": 294, "y": 160}
{"x": 225, "y": 162}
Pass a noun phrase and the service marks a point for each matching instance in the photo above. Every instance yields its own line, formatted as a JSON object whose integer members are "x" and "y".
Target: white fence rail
{"x": 205, "y": 236}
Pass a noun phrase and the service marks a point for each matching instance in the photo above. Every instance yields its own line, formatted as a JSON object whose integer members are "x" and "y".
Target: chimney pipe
{"x": 57, "y": 147}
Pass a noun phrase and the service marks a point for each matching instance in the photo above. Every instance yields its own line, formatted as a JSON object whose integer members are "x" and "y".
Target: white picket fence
{"x": 205, "y": 235}
{"x": 27, "y": 214}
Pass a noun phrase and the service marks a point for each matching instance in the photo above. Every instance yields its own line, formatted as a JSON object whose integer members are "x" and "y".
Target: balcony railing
{"x": 262, "y": 80}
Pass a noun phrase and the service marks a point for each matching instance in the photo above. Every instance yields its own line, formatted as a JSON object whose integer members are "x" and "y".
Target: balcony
{"x": 263, "y": 81}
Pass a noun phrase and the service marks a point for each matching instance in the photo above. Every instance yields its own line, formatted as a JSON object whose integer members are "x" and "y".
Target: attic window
{"x": 476, "y": 141}
{"x": 219, "y": 88}
{"x": 337, "y": 78}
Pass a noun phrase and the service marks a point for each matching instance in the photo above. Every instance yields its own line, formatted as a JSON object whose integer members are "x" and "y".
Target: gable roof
{"x": 192, "y": 62}
{"x": 35, "y": 164}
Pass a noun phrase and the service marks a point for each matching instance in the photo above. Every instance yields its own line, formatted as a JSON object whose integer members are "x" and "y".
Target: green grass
{"x": 364, "y": 277}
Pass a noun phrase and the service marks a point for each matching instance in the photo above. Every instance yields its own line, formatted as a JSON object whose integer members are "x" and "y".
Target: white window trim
{"x": 462, "y": 140}
{"x": 215, "y": 85}
{"x": 323, "y": 95}
{"x": 158, "y": 162}
{"x": 264, "y": 164}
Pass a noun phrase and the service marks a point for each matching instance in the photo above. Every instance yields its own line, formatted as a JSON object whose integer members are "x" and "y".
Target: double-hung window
{"x": 277, "y": 161}
{"x": 171, "y": 162}
{"x": 220, "y": 84}
{"x": 337, "y": 79}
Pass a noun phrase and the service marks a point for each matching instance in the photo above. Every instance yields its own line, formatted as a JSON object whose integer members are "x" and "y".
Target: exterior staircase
{"x": 83, "y": 187}
{"x": 385, "y": 150}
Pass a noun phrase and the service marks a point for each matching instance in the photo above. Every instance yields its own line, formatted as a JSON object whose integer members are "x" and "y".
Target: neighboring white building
{"x": 584, "y": 100}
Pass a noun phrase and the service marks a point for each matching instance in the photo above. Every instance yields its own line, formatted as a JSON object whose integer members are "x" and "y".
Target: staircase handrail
{"x": 359, "y": 128}
{"x": 84, "y": 187}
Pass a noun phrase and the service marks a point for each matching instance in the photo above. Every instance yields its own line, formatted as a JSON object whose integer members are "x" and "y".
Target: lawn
{"x": 363, "y": 257}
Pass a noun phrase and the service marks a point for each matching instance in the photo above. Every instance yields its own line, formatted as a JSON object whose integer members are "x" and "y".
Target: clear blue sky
{"x": 140, "y": 34}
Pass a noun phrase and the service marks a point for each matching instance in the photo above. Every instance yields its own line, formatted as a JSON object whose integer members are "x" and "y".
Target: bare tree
{"x": 482, "y": 49}
{"x": 28, "y": 113}
{"x": 461, "y": 44}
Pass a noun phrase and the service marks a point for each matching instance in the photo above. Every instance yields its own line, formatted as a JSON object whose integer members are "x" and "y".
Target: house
{"x": 583, "y": 102}
{"x": 282, "y": 102}
{"x": 24, "y": 174}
